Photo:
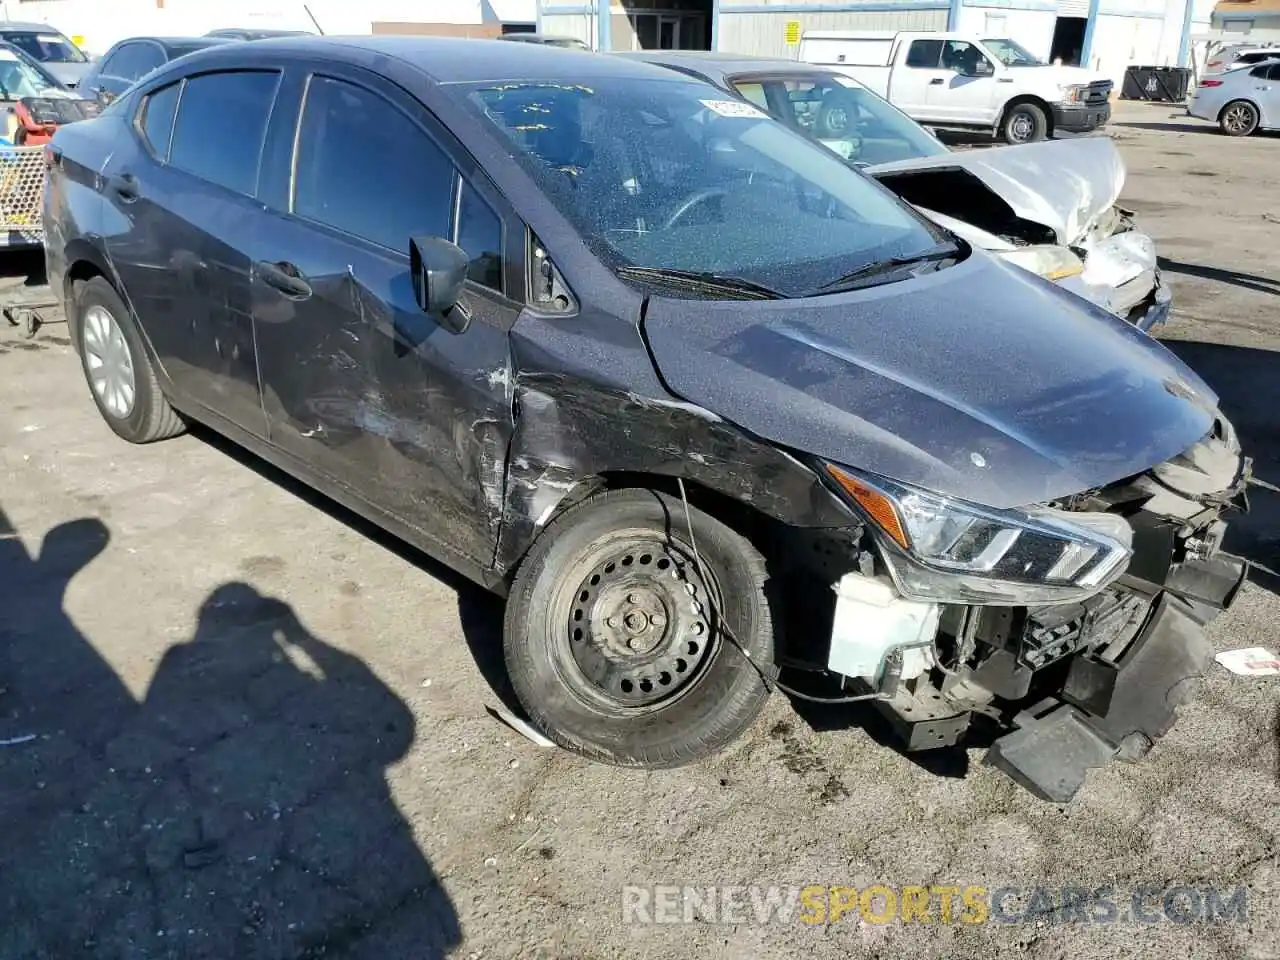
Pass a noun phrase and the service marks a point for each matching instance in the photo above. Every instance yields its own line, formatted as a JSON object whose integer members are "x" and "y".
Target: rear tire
{"x": 117, "y": 369}
{"x": 1239, "y": 118}
{"x": 1025, "y": 123}
{"x": 615, "y": 638}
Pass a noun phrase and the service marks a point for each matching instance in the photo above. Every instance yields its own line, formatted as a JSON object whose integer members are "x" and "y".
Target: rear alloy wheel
{"x": 117, "y": 368}
{"x": 1025, "y": 123}
{"x": 1238, "y": 119}
{"x": 624, "y": 647}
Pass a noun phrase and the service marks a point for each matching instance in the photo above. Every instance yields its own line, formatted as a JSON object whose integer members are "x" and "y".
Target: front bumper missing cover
{"x": 1117, "y": 710}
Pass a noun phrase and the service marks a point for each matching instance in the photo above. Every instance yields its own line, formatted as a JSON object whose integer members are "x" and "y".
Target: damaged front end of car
{"x": 1075, "y": 627}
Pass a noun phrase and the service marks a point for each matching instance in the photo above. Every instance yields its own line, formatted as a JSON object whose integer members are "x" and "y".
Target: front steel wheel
{"x": 624, "y": 647}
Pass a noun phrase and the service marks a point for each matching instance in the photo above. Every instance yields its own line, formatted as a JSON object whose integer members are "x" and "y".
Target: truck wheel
{"x": 1238, "y": 118}
{"x": 622, "y": 648}
{"x": 117, "y": 368}
{"x": 1025, "y": 123}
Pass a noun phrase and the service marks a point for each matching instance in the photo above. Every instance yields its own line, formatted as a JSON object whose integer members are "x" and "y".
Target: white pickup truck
{"x": 960, "y": 81}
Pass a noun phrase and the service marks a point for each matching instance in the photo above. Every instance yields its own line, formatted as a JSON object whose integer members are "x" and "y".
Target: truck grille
{"x": 1098, "y": 93}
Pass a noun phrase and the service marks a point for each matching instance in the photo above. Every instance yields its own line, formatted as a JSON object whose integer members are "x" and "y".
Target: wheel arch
{"x": 84, "y": 262}
{"x": 556, "y": 462}
{"x": 1034, "y": 100}
{"x": 1234, "y": 100}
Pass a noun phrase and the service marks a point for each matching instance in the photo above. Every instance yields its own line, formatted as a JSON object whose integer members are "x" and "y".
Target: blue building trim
{"x": 1184, "y": 42}
{"x": 715, "y": 24}
{"x": 953, "y": 14}
{"x": 604, "y": 25}
{"x": 1086, "y": 50}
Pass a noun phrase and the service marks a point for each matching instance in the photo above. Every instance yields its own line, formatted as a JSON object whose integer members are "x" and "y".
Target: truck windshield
{"x": 1012, "y": 54}
{"x": 46, "y": 47}
{"x": 666, "y": 176}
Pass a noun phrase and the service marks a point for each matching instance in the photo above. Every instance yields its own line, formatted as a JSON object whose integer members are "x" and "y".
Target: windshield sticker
{"x": 734, "y": 108}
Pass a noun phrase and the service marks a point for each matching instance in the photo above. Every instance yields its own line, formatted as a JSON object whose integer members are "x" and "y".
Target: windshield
{"x": 19, "y": 79}
{"x": 666, "y": 175}
{"x": 46, "y": 47}
{"x": 1013, "y": 54}
{"x": 844, "y": 115}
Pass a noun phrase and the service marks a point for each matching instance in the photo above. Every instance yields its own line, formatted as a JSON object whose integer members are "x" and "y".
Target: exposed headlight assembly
{"x": 1048, "y": 261}
{"x": 1073, "y": 92}
{"x": 950, "y": 551}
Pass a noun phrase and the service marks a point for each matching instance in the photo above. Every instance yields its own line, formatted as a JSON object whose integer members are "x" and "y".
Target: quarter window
{"x": 221, "y": 125}
{"x": 133, "y": 60}
{"x": 924, "y": 54}
{"x": 157, "y": 118}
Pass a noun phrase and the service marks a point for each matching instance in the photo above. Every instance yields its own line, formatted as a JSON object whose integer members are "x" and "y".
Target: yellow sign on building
{"x": 793, "y": 32}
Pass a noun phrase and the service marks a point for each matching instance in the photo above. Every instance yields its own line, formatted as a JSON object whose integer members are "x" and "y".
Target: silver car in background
{"x": 1241, "y": 101}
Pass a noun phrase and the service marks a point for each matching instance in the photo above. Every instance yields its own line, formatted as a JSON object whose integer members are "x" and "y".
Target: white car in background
{"x": 1238, "y": 55}
{"x": 1241, "y": 101}
{"x": 1048, "y": 207}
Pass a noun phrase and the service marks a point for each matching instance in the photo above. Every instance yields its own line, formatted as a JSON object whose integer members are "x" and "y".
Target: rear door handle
{"x": 285, "y": 277}
{"x": 124, "y": 186}
{"x": 936, "y": 81}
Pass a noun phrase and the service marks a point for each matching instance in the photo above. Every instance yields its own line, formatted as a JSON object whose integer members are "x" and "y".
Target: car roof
{"x": 445, "y": 60}
{"x": 170, "y": 43}
{"x": 722, "y": 65}
{"x": 30, "y": 27}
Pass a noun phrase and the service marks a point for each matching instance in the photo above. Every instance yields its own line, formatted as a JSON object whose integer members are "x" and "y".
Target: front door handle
{"x": 124, "y": 186}
{"x": 936, "y": 82}
{"x": 285, "y": 277}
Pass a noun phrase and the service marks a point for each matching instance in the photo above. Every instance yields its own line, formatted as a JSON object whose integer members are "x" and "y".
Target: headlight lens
{"x": 1073, "y": 92}
{"x": 951, "y": 551}
{"x": 1048, "y": 261}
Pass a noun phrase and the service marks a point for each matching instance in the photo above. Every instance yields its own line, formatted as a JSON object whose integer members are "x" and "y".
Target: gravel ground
{"x": 260, "y": 727}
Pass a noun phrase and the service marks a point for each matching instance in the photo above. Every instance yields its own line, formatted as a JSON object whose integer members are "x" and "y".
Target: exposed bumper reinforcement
{"x": 1117, "y": 710}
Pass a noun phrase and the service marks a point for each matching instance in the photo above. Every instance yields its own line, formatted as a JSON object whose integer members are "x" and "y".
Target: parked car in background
{"x": 240, "y": 33}
{"x": 668, "y": 374}
{"x": 51, "y": 48}
{"x": 134, "y": 58}
{"x": 546, "y": 39}
{"x": 1240, "y": 101}
{"x": 963, "y": 82}
{"x": 33, "y": 102}
{"x": 1050, "y": 208}
{"x": 1239, "y": 55}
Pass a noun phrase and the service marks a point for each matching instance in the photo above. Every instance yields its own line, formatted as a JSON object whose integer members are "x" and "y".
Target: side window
{"x": 924, "y": 54}
{"x": 1260, "y": 72}
{"x": 353, "y": 144}
{"x": 479, "y": 234}
{"x": 1275, "y": 72}
{"x": 117, "y": 61}
{"x": 156, "y": 121}
{"x": 148, "y": 57}
{"x": 962, "y": 56}
{"x": 753, "y": 91}
{"x": 221, "y": 124}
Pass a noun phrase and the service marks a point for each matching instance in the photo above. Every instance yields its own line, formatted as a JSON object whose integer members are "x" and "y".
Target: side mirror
{"x": 439, "y": 269}
{"x": 982, "y": 68}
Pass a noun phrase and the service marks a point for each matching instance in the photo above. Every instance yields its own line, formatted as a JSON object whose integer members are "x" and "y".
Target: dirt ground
{"x": 260, "y": 728}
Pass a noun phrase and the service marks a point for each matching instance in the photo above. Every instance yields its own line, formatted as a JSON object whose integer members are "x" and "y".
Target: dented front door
{"x": 366, "y": 388}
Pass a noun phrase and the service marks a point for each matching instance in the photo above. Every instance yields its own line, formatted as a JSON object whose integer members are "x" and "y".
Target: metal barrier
{"x": 22, "y": 173}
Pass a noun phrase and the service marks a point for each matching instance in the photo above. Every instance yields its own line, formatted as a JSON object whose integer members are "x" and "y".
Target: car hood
{"x": 1065, "y": 185}
{"x": 68, "y": 73}
{"x": 978, "y": 381}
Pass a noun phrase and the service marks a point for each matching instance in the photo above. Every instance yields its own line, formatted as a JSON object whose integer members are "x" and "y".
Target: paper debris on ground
{"x": 1250, "y": 662}
{"x": 519, "y": 726}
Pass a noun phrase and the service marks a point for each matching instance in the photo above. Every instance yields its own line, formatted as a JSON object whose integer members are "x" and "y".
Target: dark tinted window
{"x": 924, "y": 53}
{"x": 1260, "y": 72}
{"x": 46, "y": 47}
{"x": 1254, "y": 57}
{"x": 221, "y": 123}
{"x": 133, "y": 60}
{"x": 1274, "y": 73}
{"x": 480, "y": 235}
{"x": 365, "y": 168}
{"x": 157, "y": 118}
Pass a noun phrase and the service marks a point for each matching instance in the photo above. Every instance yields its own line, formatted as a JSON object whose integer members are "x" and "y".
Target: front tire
{"x": 117, "y": 369}
{"x": 1239, "y": 118}
{"x": 624, "y": 649}
{"x": 1025, "y": 123}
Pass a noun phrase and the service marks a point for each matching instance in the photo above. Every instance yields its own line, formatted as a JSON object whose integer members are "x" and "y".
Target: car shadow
{"x": 1249, "y": 281}
{"x": 1247, "y": 381}
{"x": 237, "y": 809}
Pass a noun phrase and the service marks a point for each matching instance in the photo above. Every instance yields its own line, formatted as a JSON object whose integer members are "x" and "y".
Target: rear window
{"x": 221, "y": 125}
{"x": 46, "y": 47}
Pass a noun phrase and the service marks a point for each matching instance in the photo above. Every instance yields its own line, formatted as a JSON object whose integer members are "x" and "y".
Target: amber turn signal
{"x": 877, "y": 506}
